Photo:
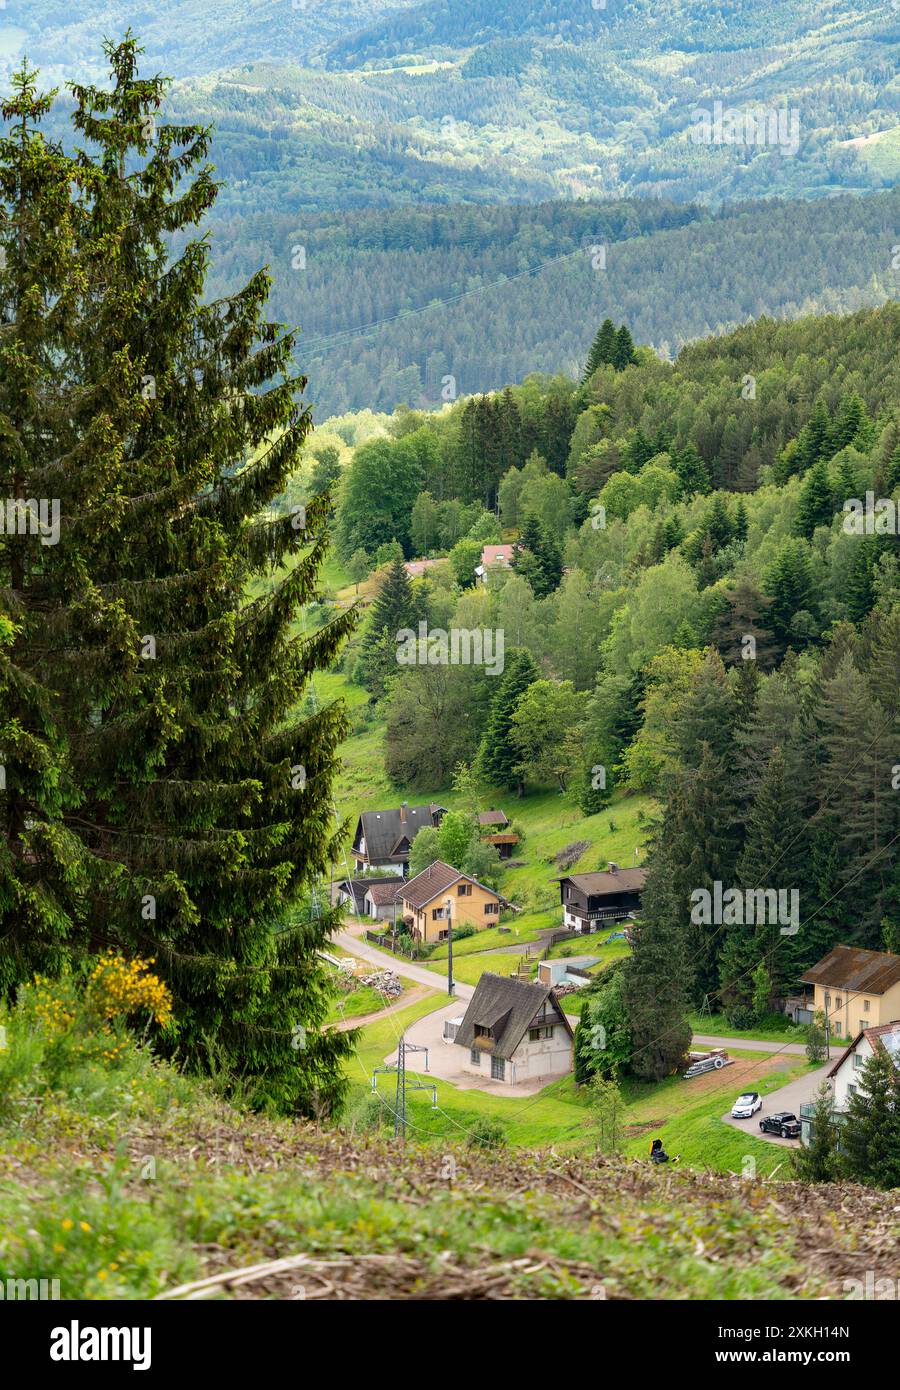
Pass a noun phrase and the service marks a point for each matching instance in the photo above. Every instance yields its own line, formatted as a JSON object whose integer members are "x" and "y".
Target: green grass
{"x": 364, "y": 1000}
{"x": 687, "y": 1115}
{"x": 471, "y": 968}
{"x": 122, "y": 1179}
{"x": 773, "y": 1028}
{"x": 489, "y": 940}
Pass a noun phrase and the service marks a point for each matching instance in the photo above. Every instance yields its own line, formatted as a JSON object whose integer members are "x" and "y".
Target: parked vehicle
{"x": 783, "y": 1123}
{"x": 746, "y": 1105}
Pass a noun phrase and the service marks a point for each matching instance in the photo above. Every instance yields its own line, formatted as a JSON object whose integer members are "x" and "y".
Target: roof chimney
{"x": 403, "y": 806}
{"x": 613, "y": 868}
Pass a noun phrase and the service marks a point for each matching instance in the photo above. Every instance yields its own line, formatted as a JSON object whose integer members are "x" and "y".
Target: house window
{"x": 464, "y": 890}
{"x": 475, "y": 1056}
{"x": 858, "y": 1061}
{"x": 837, "y": 1026}
{"x": 865, "y": 1006}
{"x": 536, "y": 1034}
{"x": 482, "y": 1031}
{"x": 837, "y": 1002}
{"x": 438, "y": 914}
{"x": 498, "y": 1069}
{"x": 851, "y": 1090}
{"x": 491, "y": 909}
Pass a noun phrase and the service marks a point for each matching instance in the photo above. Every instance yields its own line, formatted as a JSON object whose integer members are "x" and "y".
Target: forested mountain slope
{"x": 516, "y": 100}
{"x": 390, "y": 304}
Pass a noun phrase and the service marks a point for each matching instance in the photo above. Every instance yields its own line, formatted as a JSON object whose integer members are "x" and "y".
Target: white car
{"x": 746, "y": 1105}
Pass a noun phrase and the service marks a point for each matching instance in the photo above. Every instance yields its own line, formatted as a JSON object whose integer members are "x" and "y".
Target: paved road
{"x": 751, "y": 1045}
{"x": 349, "y": 942}
{"x": 789, "y": 1097}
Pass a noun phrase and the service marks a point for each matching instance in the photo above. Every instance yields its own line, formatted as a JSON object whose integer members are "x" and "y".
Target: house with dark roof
{"x": 495, "y": 829}
{"x": 515, "y": 1031}
{"x": 591, "y": 901}
{"x": 382, "y": 838}
{"x": 440, "y": 894}
{"x": 855, "y": 989}
{"x": 349, "y": 893}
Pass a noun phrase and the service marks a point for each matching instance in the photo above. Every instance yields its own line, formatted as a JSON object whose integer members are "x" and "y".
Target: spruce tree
{"x": 788, "y": 582}
{"x": 659, "y": 979}
{"x": 623, "y": 352}
{"x": 815, "y": 506}
{"x": 394, "y": 608}
{"x": 818, "y": 1160}
{"x": 602, "y": 349}
{"x": 498, "y": 757}
{"x": 537, "y": 558}
{"x": 745, "y": 617}
{"x": 870, "y": 1135}
{"x": 184, "y": 809}
{"x": 693, "y": 474}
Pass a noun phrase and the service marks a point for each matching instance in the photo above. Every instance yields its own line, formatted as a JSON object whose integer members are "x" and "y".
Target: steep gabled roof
{"x": 850, "y": 967}
{"x": 492, "y": 817}
{"x": 356, "y": 888}
{"x": 598, "y": 884}
{"x": 508, "y": 1006}
{"x": 383, "y": 830}
{"x": 437, "y": 878}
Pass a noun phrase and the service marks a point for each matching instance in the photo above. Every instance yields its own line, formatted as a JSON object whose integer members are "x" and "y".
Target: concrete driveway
{"x": 789, "y": 1097}
{"x": 445, "y": 1059}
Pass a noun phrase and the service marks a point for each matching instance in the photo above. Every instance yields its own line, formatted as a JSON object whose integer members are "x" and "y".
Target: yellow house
{"x": 440, "y": 893}
{"x": 856, "y": 989}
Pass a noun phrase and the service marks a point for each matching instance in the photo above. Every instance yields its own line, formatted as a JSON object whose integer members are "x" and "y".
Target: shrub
{"x": 487, "y": 1133}
{"x": 368, "y": 1114}
{"x": 741, "y": 1016}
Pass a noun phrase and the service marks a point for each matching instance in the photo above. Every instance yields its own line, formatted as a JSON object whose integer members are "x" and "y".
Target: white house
{"x": 494, "y": 557}
{"x": 515, "y": 1031}
{"x": 847, "y": 1070}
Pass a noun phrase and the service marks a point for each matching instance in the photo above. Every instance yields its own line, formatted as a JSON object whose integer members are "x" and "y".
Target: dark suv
{"x": 784, "y": 1123}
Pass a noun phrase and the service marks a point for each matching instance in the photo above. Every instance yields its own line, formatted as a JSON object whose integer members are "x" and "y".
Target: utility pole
{"x": 400, "y": 1101}
{"x": 403, "y": 1085}
{"x": 450, "y": 984}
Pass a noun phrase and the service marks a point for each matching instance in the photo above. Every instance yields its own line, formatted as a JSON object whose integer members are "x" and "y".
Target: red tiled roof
{"x": 491, "y": 554}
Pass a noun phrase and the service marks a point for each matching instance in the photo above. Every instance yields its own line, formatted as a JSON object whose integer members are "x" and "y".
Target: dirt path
{"x": 359, "y": 1020}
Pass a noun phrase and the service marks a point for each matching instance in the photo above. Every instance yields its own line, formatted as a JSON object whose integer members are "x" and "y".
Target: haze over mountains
{"x": 339, "y": 122}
